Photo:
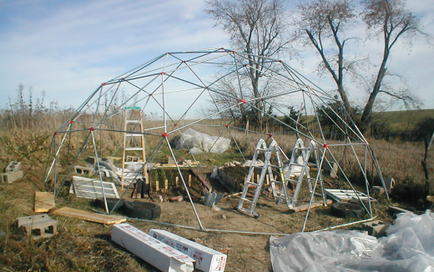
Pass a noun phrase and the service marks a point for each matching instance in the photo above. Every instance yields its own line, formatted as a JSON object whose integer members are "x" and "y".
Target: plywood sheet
{"x": 89, "y": 216}
{"x": 44, "y": 201}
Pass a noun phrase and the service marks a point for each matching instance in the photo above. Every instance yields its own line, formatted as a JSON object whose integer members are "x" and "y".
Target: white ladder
{"x": 300, "y": 168}
{"x": 247, "y": 203}
{"x": 134, "y": 143}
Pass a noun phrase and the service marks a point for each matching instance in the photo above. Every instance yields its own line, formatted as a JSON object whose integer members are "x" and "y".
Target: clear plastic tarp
{"x": 197, "y": 142}
{"x": 408, "y": 246}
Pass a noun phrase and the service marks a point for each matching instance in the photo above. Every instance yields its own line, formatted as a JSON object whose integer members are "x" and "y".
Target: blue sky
{"x": 66, "y": 49}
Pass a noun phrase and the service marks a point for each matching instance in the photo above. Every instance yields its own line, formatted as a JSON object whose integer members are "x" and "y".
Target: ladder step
{"x": 127, "y": 162}
{"x": 133, "y": 121}
{"x": 133, "y": 148}
{"x": 138, "y": 134}
{"x": 248, "y": 200}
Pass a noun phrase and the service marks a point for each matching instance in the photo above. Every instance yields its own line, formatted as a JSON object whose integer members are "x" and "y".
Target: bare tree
{"x": 391, "y": 20}
{"x": 255, "y": 27}
{"x": 326, "y": 22}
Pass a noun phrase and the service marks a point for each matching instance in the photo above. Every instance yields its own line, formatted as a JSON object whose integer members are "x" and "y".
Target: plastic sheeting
{"x": 408, "y": 246}
{"x": 197, "y": 142}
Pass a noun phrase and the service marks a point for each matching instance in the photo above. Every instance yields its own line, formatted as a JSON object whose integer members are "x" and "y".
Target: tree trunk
{"x": 366, "y": 118}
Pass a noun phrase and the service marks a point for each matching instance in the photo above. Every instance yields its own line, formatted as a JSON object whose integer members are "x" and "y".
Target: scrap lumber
{"x": 226, "y": 181}
{"x": 44, "y": 201}
{"x": 89, "y": 216}
{"x": 201, "y": 176}
{"x": 394, "y": 210}
{"x": 315, "y": 204}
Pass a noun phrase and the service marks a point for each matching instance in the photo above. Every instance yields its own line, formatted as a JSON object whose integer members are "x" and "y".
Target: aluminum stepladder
{"x": 298, "y": 170}
{"x": 251, "y": 202}
{"x": 134, "y": 143}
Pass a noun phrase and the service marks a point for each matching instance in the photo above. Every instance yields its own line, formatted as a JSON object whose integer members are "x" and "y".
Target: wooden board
{"x": 227, "y": 181}
{"x": 395, "y": 210}
{"x": 88, "y": 216}
{"x": 202, "y": 177}
{"x": 44, "y": 201}
{"x": 315, "y": 204}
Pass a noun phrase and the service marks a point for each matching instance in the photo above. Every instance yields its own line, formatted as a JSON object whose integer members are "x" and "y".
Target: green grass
{"x": 402, "y": 121}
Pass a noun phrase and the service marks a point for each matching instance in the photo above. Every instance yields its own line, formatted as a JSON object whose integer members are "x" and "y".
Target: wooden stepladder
{"x": 247, "y": 203}
{"x": 299, "y": 169}
{"x": 133, "y": 145}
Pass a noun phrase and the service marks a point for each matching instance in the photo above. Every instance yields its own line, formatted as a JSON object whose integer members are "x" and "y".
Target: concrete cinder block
{"x": 91, "y": 160}
{"x": 132, "y": 159}
{"x": 11, "y": 177}
{"x": 83, "y": 170}
{"x": 376, "y": 228}
{"x": 13, "y": 166}
{"x": 38, "y": 226}
{"x": 331, "y": 169}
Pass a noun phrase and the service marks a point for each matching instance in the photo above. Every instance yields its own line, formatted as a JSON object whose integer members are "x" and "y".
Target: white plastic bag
{"x": 408, "y": 246}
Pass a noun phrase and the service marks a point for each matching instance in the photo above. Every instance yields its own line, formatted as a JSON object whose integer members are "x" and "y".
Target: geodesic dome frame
{"x": 180, "y": 90}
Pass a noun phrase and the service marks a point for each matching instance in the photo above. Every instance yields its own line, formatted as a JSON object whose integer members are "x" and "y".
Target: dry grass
{"x": 84, "y": 246}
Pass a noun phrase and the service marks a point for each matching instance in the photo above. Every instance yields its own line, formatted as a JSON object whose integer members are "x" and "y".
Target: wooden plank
{"x": 227, "y": 181}
{"x": 88, "y": 216}
{"x": 202, "y": 177}
{"x": 315, "y": 204}
{"x": 44, "y": 201}
{"x": 394, "y": 210}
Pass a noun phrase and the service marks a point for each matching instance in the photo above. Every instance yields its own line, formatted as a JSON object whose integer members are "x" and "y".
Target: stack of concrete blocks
{"x": 376, "y": 228}
{"x": 38, "y": 226}
{"x": 12, "y": 172}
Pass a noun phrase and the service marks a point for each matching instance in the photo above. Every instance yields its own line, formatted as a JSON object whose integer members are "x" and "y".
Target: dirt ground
{"x": 245, "y": 239}
{"x": 223, "y": 228}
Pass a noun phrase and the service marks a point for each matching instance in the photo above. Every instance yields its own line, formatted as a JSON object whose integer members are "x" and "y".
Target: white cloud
{"x": 67, "y": 48}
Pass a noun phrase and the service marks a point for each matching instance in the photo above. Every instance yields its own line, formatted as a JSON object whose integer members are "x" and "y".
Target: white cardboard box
{"x": 207, "y": 259}
{"x": 151, "y": 250}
